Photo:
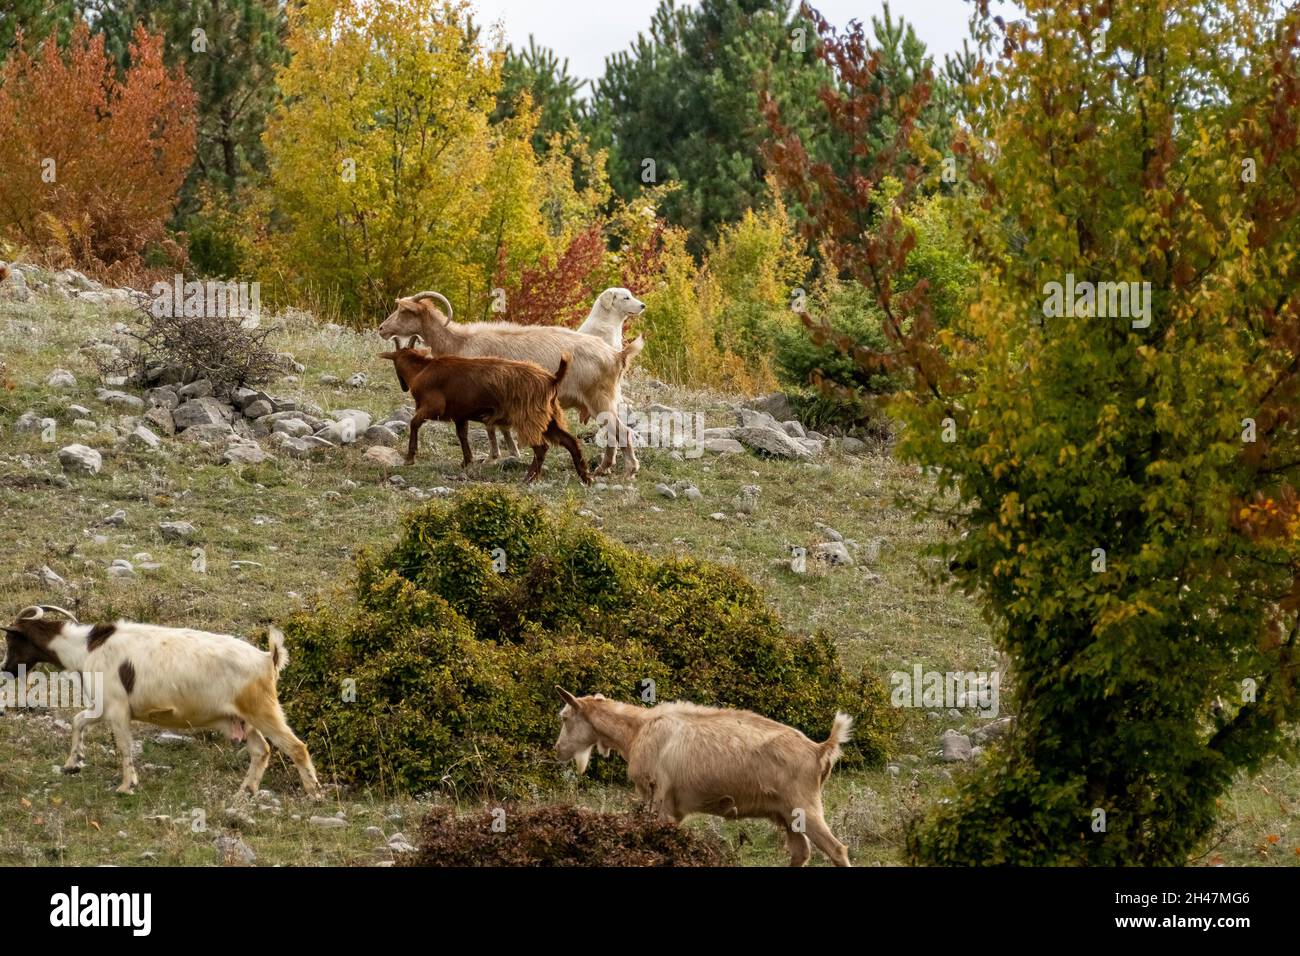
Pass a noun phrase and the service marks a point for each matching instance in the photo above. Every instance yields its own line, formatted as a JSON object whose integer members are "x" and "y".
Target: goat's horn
{"x": 434, "y": 295}
{"x": 64, "y": 611}
{"x": 396, "y": 344}
{"x": 39, "y": 613}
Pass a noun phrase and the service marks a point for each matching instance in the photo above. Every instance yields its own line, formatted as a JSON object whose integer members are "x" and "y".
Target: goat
{"x": 684, "y": 759}
{"x": 167, "y": 676}
{"x": 610, "y": 314}
{"x": 593, "y": 384}
{"x": 514, "y": 395}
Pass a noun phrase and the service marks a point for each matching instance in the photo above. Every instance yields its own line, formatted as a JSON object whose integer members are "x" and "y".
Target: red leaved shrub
{"x": 559, "y": 293}
{"x": 561, "y": 835}
{"x": 92, "y": 160}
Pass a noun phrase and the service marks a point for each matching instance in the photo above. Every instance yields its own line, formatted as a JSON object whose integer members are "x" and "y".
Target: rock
{"x": 724, "y": 446}
{"x": 993, "y": 730}
{"x": 379, "y": 435}
{"x": 748, "y": 499}
{"x": 245, "y": 453}
{"x": 777, "y": 405}
{"x": 770, "y": 441}
{"x": 295, "y": 447}
{"x": 143, "y": 436}
{"x": 84, "y": 425}
{"x": 665, "y": 491}
{"x": 165, "y": 396}
{"x": 388, "y": 457}
{"x": 258, "y": 408}
{"x": 232, "y": 851}
{"x": 338, "y": 433}
{"x": 327, "y": 379}
{"x": 833, "y": 552}
{"x": 15, "y": 287}
{"x": 793, "y": 429}
{"x": 749, "y": 418}
{"x": 357, "y": 380}
{"x": 718, "y": 516}
{"x": 328, "y": 823}
{"x": 201, "y": 411}
{"x": 61, "y": 378}
{"x": 399, "y": 844}
{"x": 853, "y": 446}
{"x": 161, "y": 417}
{"x": 360, "y": 420}
{"x": 293, "y": 427}
{"x": 116, "y": 519}
{"x": 693, "y": 493}
{"x": 829, "y": 532}
{"x": 403, "y": 415}
{"x": 78, "y": 459}
{"x": 178, "y": 531}
{"x": 81, "y": 411}
{"x": 121, "y": 568}
{"x": 209, "y": 434}
{"x": 51, "y": 578}
{"x": 242, "y": 397}
{"x": 956, "y": 747}
{"x": 114, "y": 399}
{"x": 813, "y": 446}
{"x": 200, "y": 388}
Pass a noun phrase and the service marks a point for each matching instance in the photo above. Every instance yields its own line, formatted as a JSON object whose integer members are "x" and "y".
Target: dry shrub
{"x": 562, "y": 835}
{"x": 218, "y": 348}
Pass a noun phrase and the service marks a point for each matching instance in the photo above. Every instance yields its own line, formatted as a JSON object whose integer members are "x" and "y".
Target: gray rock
{"x": 693, "y": 493}
{"x": 164, "y": 395}
{"x": 80, "y": 460}
{"x": 161, "y": 417}
{"x": 853, "y": 446}
{"x": 245, "y": 453}
{"x": 717, "y": 433}
{"x": 770, "y": 441}
{"x": 178, "y": 531}
{"x": 833, "y": 552}
{"x": 207, "y": 434}
{"x": 777, "y": 405}
{"x": 748, "y": 503}
{"x": 143, "y": 436}
{"x": 357, "y": 380}
{"x": 829, "y": 532}
{"x": 116, "y": 519}
{"x": 993, "y": 730}
{"x": 338, "y": 433}
{"x": 374, "y": 833}
{"x": 724, "y": 446}
{"x": 258, "y": 408}
{"x": 200, "y": 388}
{"x": 81, "y": 411}
{"x": 749, "y": 418}
{"x": 813, "y": 446}
{"x": 665, "y": 491}
{"x": 114, "y": 399}
{"x": 361, "y": 420}
{"x": 293, "y": 427}
{"x": 388, "y": 457}
{"x": 718, "y": 516}
{"x": 31, "y": 422}
{"x": 51, "y": 578}
{"x": 296, "y": 447}
{"x": 232, "y": 851}
{"x": 242, "y": 397}
{"x": 956, "y": 747}
{"x": 121, "y": 568}
{"x": 793, "y": 429}
{"x": 327, "y": 379}
{"x": 328, "y": 823}
{"x": 403, "y": 414}
{"x": 379, "y": 435}
{"x": 201, "y": 411}
{"x": 61, "y": 378}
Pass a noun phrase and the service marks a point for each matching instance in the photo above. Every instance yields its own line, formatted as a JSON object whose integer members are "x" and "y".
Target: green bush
{"x": 439, "y": 673}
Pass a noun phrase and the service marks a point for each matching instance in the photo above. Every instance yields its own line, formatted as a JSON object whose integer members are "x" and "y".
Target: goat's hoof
{"x": 71, "y": 768}
{"x": 126, "y": 791}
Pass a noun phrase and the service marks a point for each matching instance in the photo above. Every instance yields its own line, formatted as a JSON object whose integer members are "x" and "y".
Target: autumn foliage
{"x": 558, "y": 292}
{"x": 92, "y": 159}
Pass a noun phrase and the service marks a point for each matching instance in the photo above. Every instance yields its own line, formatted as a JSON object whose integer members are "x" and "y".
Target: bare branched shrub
{"x": 218, "y": 348}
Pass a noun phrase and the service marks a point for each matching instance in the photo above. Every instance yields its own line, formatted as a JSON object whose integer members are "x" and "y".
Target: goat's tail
{"x": 631, "y": 351}
{"x": 841, "y": 733}
{"x": 4, "y": 272}
{"x": 563, "y": 370}
{"x": 279, "y": 653}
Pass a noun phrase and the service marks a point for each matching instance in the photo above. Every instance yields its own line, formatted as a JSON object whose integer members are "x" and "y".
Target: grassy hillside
{"x": 296, "y": 525}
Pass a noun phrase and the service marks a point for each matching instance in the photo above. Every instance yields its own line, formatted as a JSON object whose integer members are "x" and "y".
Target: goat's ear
{"x": 566, "y": 696}
{"x": 607, "y": 299}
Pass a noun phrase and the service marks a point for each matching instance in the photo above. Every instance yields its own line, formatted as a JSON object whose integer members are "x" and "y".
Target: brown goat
{"x": 521, "y": 396}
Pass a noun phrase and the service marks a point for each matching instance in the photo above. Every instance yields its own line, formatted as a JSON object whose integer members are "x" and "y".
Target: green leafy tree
{"x": 35, "y": 20}
{"x": 1126, "y": 479}
{"x": 536, "y": 78}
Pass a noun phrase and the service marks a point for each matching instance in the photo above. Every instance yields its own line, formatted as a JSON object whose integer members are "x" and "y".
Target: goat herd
{"x": 682, "y": 758}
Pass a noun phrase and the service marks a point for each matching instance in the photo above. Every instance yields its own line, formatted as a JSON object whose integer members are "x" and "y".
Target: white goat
{"x": 684, "y": 759}
{"x": 611, "y": 310}
{"x": 167, "y": 676}
{"x": 593, "y": 384}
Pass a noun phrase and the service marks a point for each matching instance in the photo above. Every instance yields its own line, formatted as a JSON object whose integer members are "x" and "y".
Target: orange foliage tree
{"x": 92, "y": 160}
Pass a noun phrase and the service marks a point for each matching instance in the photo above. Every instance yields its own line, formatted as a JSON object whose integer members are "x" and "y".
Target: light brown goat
{"x": 684, "y": 759}
{"x": 593, "y": 384}
{"x": 516, "y": 395}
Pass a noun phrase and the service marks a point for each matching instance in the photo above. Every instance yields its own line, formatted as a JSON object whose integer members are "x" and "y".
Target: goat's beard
{"x": 581, "y": 759}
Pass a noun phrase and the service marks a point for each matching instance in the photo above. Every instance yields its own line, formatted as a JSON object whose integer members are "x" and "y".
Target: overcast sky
{"x": 587, "y": 31}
